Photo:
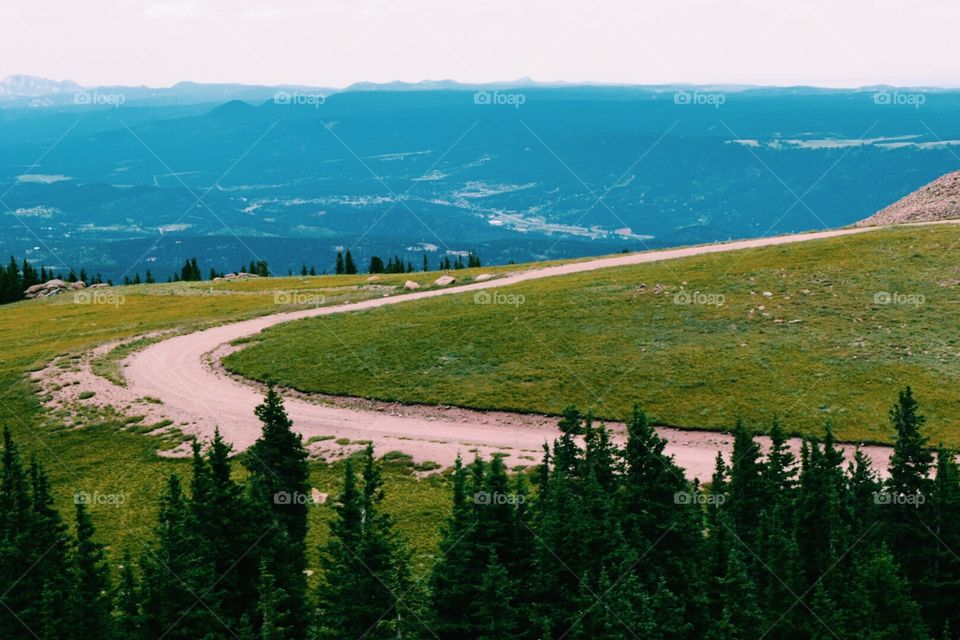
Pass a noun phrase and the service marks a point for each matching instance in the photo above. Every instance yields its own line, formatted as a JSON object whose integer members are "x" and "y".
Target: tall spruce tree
{"x": 365, "y": 589}
{"x": 90, "y": 605}
{"x": 177, "y": 575}
{"x": 277, "y": 463}
{"x": 906, "y": 505}
{"x": 453, "y": 586}
{"x": 232, "y": 529}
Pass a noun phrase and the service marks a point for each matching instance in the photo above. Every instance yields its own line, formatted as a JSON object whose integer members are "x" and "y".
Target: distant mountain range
{"x": 25, "y": 90}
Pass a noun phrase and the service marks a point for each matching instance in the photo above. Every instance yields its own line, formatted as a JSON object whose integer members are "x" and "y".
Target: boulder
{"x": 79, "y": 284}
{"x": 49, "y": 288}
{"x": 443, "y": 281}
{"x": 483, "y": 277}
{"x": 100, "y": 285}
{"x": 410, "y": 285}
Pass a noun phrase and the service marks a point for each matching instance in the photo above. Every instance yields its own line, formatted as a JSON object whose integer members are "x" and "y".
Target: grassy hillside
{"x": 803, "y": 330}
{"x": 106, "y": 455}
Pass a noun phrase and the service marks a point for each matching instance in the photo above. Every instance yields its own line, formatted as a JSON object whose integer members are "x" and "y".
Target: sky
{"x": 333, "y": 43}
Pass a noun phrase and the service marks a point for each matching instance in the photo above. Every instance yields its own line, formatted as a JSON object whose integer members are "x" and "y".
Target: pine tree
{"x": 50, "y": 544}
{"x": 90, "y": 607}
{"x": 737, "y": 594}
{"x": 941, "y": 583}
{"x": 349, "y": 267}
{"x": 127, "y": 602}
{"x": 339, "y": 268}
{"x": 495, "y": 612}
{"x": 656, "y": 511}
{"x": 822, "y": 524}
{"x": 272, "y": 607}
{"x": 366, "y": 584}
{"x": 907, "y": 499}
{"x": 233, "y": 530}
{"x": 277, "y": 463}
{"x": 747, "y": 488}
{"x": 176, "y": 575}
{"x": 452, "y": 581}
{"x": 16, "y": 549}
{"x": 878, "y": 604}
{"x": 911, "y": 459}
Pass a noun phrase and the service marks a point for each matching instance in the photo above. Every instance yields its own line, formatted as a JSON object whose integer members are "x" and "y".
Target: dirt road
{"x": 195, "y": 391}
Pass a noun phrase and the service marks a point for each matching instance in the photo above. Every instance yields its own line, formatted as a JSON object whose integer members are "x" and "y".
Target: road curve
{"x": 176, "y": 371}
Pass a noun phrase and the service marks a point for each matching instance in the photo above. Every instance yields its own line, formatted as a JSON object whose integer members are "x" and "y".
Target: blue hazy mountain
{"x": 514, "y": 171}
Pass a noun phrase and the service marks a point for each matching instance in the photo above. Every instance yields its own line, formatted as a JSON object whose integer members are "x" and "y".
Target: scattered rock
{"x": 410, "y": 285}
{"x": 443, "y": 281}
{"x": 99, "y": 285}
{"x": 242, "y": 275}
{"x": 657, "y": 288}
{"x": 938, "y": 200}
{"x": 483, "y": 277}
{"x": 767, "y": 294}
{"x": 318, "y": 496}
{"x": 373, "y": 278}
{"x": 52, "y": 288}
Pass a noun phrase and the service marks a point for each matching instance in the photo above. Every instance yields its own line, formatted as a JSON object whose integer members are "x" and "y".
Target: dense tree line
{"x": 18, "y": 276}
{"x": 601, "y": 540}
{"x": 393, "y": 265}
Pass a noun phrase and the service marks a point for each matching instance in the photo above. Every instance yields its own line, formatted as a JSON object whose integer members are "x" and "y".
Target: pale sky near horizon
{"x": 843, "y": 43}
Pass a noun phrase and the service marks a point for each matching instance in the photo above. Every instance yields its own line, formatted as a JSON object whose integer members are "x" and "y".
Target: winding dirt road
{"x": 182, "y": 372}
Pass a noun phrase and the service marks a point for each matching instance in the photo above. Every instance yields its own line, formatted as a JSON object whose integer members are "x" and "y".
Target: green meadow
{"x": 817, "y": 331}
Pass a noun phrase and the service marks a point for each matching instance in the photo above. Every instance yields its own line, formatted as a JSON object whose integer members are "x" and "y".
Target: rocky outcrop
{"x": 236, "y": 276}
{"x": 443, "y": 281}
{"x": 56, "y": 287}
{"x": 938, "y": 200}
{"x": 410, "y": 285}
